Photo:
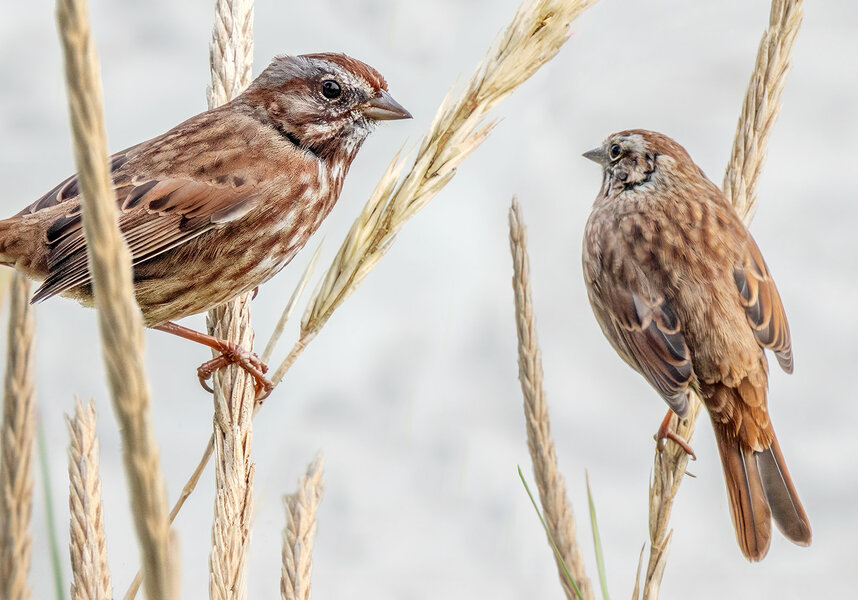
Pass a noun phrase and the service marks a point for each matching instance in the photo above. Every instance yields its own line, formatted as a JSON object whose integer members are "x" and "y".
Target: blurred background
{"x": 411, "y": 389}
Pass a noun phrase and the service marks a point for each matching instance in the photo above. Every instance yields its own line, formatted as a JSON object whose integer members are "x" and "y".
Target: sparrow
{"x": 219, "y": 204}
{"x": 681, "y": 291}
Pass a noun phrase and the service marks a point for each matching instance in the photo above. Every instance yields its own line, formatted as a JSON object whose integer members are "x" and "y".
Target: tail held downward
{"x": 760, "y": 490}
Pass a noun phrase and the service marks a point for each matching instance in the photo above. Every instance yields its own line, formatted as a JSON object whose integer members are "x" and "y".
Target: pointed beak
{"x": 384, "y": 108}
{"x": 597, "y": 155}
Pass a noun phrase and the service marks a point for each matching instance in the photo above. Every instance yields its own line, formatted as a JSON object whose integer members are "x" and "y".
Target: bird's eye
{"x": 331, "y": 89}
{"x": 614, "y": 151}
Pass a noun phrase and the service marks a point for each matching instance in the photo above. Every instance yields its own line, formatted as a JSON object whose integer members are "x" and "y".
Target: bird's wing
{"x": 648, "y": 335}
{"x": 155, "y": 215}
{"x": 763, "y": 305}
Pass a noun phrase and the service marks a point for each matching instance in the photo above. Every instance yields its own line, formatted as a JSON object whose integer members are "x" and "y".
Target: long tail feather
{"x": 782, "y": 497}
{"x": 749, "y": 506}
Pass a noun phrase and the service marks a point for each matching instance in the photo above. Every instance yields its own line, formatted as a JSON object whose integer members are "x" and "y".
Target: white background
{"x": 411, "y": 390}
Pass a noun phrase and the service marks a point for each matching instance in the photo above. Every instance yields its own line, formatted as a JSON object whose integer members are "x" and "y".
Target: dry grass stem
{"x": 88, "y": 545}
{"x": 761, "y": 106}
{"x": 230, "y": 51}
{"x": 231, "y": 58}
{"x": 231, "y": 62}
{"x": 537, "y": 32}
{"x": 234, "y": 470}
{"x": 759, "y": 110}
{"x": 300, "y": 533}
{"x": 187, "y": 490}
{"x": 16, "y": 446}
{"x": 120, "y": 321}
{"x": 549, "y": 481}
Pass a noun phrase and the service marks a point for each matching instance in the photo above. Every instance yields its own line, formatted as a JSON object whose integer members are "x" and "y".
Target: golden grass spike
{"x": 759, "y": 111}
{"x": 87, "y": 545}
{"x": 552, "y": 489}
{"x": 16, "y": 445}
{"x": 299, "y": 535}
{"x": 120, "y": 322}
{"x": 537, "y": 32}
{"x": 231, "y": 58}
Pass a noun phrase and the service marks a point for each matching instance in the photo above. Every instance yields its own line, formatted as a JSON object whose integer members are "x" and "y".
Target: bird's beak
{"x": 384, "y": 108}
{"x": 597, "y": 155}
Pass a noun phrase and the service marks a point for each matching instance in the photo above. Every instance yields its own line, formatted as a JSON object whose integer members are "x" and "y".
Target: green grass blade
{"x": 550, "y": 537}
{"x": 44, "y": 463}
{"x": 597, "y": 541}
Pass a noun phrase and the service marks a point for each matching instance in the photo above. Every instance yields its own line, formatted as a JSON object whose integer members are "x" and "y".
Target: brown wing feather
{"x": 763, "y": 305}
{"x": 155, "y": 216}
{"x": 648, "y": 335}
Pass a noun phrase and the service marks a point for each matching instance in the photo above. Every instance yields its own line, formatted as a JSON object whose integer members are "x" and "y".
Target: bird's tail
{"x": 760, "y": 489}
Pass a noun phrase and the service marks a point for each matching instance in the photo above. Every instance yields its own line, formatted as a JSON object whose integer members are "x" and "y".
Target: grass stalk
{"x": 16, "y": 446}
{"x": 537, "y": 32}
{"x": 760, "y": 108}
{"x": 562, "y": 566}
{"x": 299, "y": 535}
{"x": 120, "y": 321}
{"x": 597, "y": 540}
{"x": 88, "y": 544}
{"x": 552, "y": 488}
{"x": 231, "y": 61}
{"x": 535, "y": 35}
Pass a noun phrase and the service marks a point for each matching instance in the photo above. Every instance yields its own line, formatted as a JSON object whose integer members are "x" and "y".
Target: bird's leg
{"x": 665, "y": 432}
{"x": 230, "y": 353}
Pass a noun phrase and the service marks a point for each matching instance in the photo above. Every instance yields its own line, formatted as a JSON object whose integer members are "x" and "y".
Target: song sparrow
{"x": 220, "y": 203}
{"x": 683, "y": 294}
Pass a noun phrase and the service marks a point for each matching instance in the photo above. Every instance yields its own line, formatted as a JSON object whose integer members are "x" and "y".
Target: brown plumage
{"x": 220, "y": 203}
{"x": 681, "y": 291}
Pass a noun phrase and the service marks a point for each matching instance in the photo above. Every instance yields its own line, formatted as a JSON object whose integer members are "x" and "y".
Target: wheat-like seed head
{"x": 552, "y": 489}
{"x": 120, "y": 321}
{"x": 16, "y": 445}
{"x": 761, "y": 106}
{"x": 537, "y": 32}
{"x": 759, "y": 111}
{"x": 88, "y": 545}
{"x": 231, "y": 57}
{"x": 299, "y": 536}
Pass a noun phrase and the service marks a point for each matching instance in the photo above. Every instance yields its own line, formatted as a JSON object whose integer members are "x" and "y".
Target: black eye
{"x": 615, "y": 151}
{"x": 331, "y": 89}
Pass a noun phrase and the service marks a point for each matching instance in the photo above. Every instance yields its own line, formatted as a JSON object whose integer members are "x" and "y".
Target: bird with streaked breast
{"x": 220, "y": 203}
{"x": 682, "y": 293}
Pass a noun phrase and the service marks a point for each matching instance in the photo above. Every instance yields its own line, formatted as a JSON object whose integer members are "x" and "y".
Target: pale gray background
{"x": 411, "y": 391}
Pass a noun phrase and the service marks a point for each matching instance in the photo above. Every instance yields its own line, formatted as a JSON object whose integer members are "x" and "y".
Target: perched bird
{"x": 220, "y": 203}
{"x": 681, "y": 291}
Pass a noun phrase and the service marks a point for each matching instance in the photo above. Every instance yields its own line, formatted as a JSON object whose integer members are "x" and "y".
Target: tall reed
{"x": 231, "y": 61}
{"x": 16, "y": 445}
{"x": 759, "y": 112}
{"x": 119, "y": 318}
{"x": 558, "y": 516}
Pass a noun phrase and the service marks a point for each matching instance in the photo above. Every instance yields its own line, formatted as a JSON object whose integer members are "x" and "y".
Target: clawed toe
{"x": 230, "y": 354}
{"x": 665, "y": 432}
{"x": 247, "y": 361}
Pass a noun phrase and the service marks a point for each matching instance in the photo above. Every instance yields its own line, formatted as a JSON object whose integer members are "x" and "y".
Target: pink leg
{"x": 230, "y": 354}
{"x": 665, "y": 432}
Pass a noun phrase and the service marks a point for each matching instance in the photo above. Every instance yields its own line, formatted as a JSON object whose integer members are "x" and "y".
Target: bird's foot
{"x": 230, "y": 354}
{"x": 666, "y": 432}
{"x": 235, "y": 354}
